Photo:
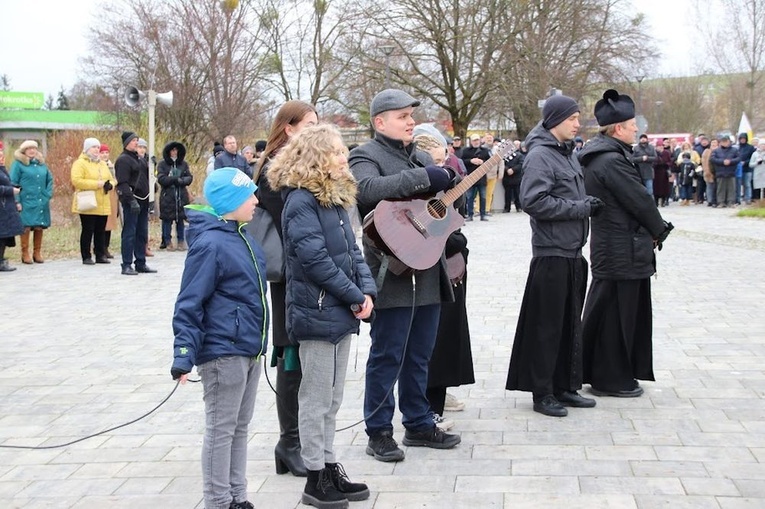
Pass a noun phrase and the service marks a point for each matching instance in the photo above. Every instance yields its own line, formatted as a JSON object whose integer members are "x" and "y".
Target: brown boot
{"x": 25, "y": 258}
{"x": 37, "y": 253}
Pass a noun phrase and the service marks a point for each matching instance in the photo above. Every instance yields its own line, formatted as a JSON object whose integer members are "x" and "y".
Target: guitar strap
{"x": 384, "y": 262}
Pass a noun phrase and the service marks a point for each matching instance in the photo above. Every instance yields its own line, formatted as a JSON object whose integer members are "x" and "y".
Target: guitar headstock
{"x": 505, "y": 150}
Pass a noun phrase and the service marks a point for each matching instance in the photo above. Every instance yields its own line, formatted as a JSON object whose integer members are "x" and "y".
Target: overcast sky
{"x": 42, "y": 40}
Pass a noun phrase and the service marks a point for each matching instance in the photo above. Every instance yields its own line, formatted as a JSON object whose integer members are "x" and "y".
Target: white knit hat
{"x": 90, "y": 143}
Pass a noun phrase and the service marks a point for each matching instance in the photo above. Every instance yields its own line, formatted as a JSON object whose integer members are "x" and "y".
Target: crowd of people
{"x": 305, "y": 182}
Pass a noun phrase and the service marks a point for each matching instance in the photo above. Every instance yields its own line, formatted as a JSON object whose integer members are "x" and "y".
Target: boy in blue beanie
{"x": 220, "y": 324}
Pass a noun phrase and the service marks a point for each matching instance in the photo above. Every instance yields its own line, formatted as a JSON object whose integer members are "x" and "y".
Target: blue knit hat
{"x": 227, "y": 188}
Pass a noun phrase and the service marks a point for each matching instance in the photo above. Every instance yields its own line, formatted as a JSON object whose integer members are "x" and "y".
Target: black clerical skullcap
{"x": 614, "y": 108}
{"x": 557, "y": 109}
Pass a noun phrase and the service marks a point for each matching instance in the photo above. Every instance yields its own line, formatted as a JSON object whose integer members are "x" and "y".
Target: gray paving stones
{"x": 84, "y": 348}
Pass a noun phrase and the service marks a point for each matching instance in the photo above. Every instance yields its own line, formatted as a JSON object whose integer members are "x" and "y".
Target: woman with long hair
{"x": 291, "y": 118}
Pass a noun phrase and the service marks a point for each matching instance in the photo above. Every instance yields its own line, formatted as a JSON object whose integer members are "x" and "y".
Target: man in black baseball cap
{"x": 390, "y": 167}
{"x": 616, "y": 324}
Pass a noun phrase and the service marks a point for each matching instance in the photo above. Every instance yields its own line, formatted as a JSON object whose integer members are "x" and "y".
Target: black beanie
{"x": 260, "y": 145}
{"x": 127, "y": 136}
{"x": 217, "y": 148}
{"x": 557, "y": 109}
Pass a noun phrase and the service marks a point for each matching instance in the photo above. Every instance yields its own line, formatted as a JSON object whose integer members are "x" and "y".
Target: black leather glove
{"x": 439, "y": 178}
{"x": 456, "y": 178}
{"x": 108, "y": 186}
{"x": 596, "y": 205}
{"x": 668, "y": 227}
{"x": 177, "y": 372}
{"x": 135, "y": 208}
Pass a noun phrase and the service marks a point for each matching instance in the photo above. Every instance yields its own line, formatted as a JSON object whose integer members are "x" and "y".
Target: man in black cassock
{"x": 617, "y": 321}
{"x": 546, "y": 358}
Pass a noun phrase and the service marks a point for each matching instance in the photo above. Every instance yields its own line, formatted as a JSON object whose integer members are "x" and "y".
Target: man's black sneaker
{"x": 433, "y": 438}
{"x": 574, "y": 399}
{"x": 384, "y": 448}
{"x": 548, "y": 405}
{"x": 353, "y": 491}
{"x": 241, "y": 505}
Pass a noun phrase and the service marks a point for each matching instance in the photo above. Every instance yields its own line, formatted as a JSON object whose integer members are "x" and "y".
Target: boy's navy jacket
{"x": 221, "y": 307}
{"x": 326, "y": 272}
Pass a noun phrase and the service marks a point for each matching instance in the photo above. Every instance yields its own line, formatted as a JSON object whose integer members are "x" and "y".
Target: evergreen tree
{"x": 62, "y": 103}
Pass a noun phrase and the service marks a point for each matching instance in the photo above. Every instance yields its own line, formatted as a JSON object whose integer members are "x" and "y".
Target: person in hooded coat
{"x": 617, "y": 319}
{"x": 31, "y": 175}
{"x": 546, "y": 357}
{"x": 329, "y": 288}
{"x": 220, "y": 324}
{"x": 174, "y": 175}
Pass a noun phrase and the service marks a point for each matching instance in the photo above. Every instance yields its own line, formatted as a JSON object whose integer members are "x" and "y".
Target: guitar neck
{"x": 454, "y": 193}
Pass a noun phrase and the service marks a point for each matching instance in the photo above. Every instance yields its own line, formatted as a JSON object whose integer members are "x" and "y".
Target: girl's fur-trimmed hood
{"x": 329, "y": 190}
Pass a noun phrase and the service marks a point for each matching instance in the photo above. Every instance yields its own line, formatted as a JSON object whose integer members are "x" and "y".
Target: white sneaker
{"x": 452, "y": 404}
{"x": 443, "y": 424}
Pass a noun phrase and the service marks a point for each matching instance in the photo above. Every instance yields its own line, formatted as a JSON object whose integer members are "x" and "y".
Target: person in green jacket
{"x": 32, "y": 176}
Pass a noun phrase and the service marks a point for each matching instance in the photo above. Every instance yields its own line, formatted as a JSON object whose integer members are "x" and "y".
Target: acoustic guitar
{"x": 415, "y": 230}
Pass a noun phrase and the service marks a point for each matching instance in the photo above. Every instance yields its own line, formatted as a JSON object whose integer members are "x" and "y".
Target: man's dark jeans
{"x": 389, "y": 332}
{"x": 135, "y": 234}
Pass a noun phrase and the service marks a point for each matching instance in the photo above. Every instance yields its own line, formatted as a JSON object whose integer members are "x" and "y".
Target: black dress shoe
{"x": 625, "y": 393}
{"x": 144, "y": 269}
{"x": 128, "y": 271}
{"x": 548, "y": 405}
{"x": 574, "y": 399}
{"x": 102, "y": 260}
{"x": 88, "y": 261}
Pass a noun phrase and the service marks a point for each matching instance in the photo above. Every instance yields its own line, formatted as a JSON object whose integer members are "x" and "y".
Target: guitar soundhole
{"x": 437, "y": 209}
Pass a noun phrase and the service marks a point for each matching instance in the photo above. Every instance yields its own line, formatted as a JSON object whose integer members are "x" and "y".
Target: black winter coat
{"x": 516, "y": 163}
{"x": 326, "y": 272}
{"x": 469, "y": 153}
{"x": 10, "y": 220}
{"x": 645, "y": 167}
{"x": 271, "y": 202}
{"x": 553, "y": 194}
{"x": 132, "y": 177}
{"x": 174, "y": 177}
{"x": 622, "y": 235}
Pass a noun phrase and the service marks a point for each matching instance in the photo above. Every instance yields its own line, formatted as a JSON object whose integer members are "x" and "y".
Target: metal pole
{"x": 640, "y": 97}
{"x": 152, "y": 177}
{"x": 388, "y": 50}
{"x": 387, "y": 70}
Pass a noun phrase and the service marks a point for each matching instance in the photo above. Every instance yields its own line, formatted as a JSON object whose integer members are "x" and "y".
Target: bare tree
{"x": 686, "y": 104}
{"x": 308, "y": 45}
{"x": 571, "y": 46}
{"x": 737, "y": 43}
{"x": 206, "y": 56}
{"x": 443, "y": 51}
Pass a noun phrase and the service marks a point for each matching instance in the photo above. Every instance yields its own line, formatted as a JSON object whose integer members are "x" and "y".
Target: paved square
{"x": 83, "y": 348}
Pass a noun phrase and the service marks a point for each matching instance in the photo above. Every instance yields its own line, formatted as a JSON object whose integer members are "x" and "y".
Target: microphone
{"x": 357, "y": 307}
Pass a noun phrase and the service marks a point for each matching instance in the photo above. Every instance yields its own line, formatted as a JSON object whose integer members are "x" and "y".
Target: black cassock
{"x": 547, "y": 350}
{"x": 451, "y": 363}
{"x": 616, "y": 332}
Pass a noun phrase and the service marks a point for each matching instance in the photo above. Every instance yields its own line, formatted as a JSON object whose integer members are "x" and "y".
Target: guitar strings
{"x": 439, "y": 207}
